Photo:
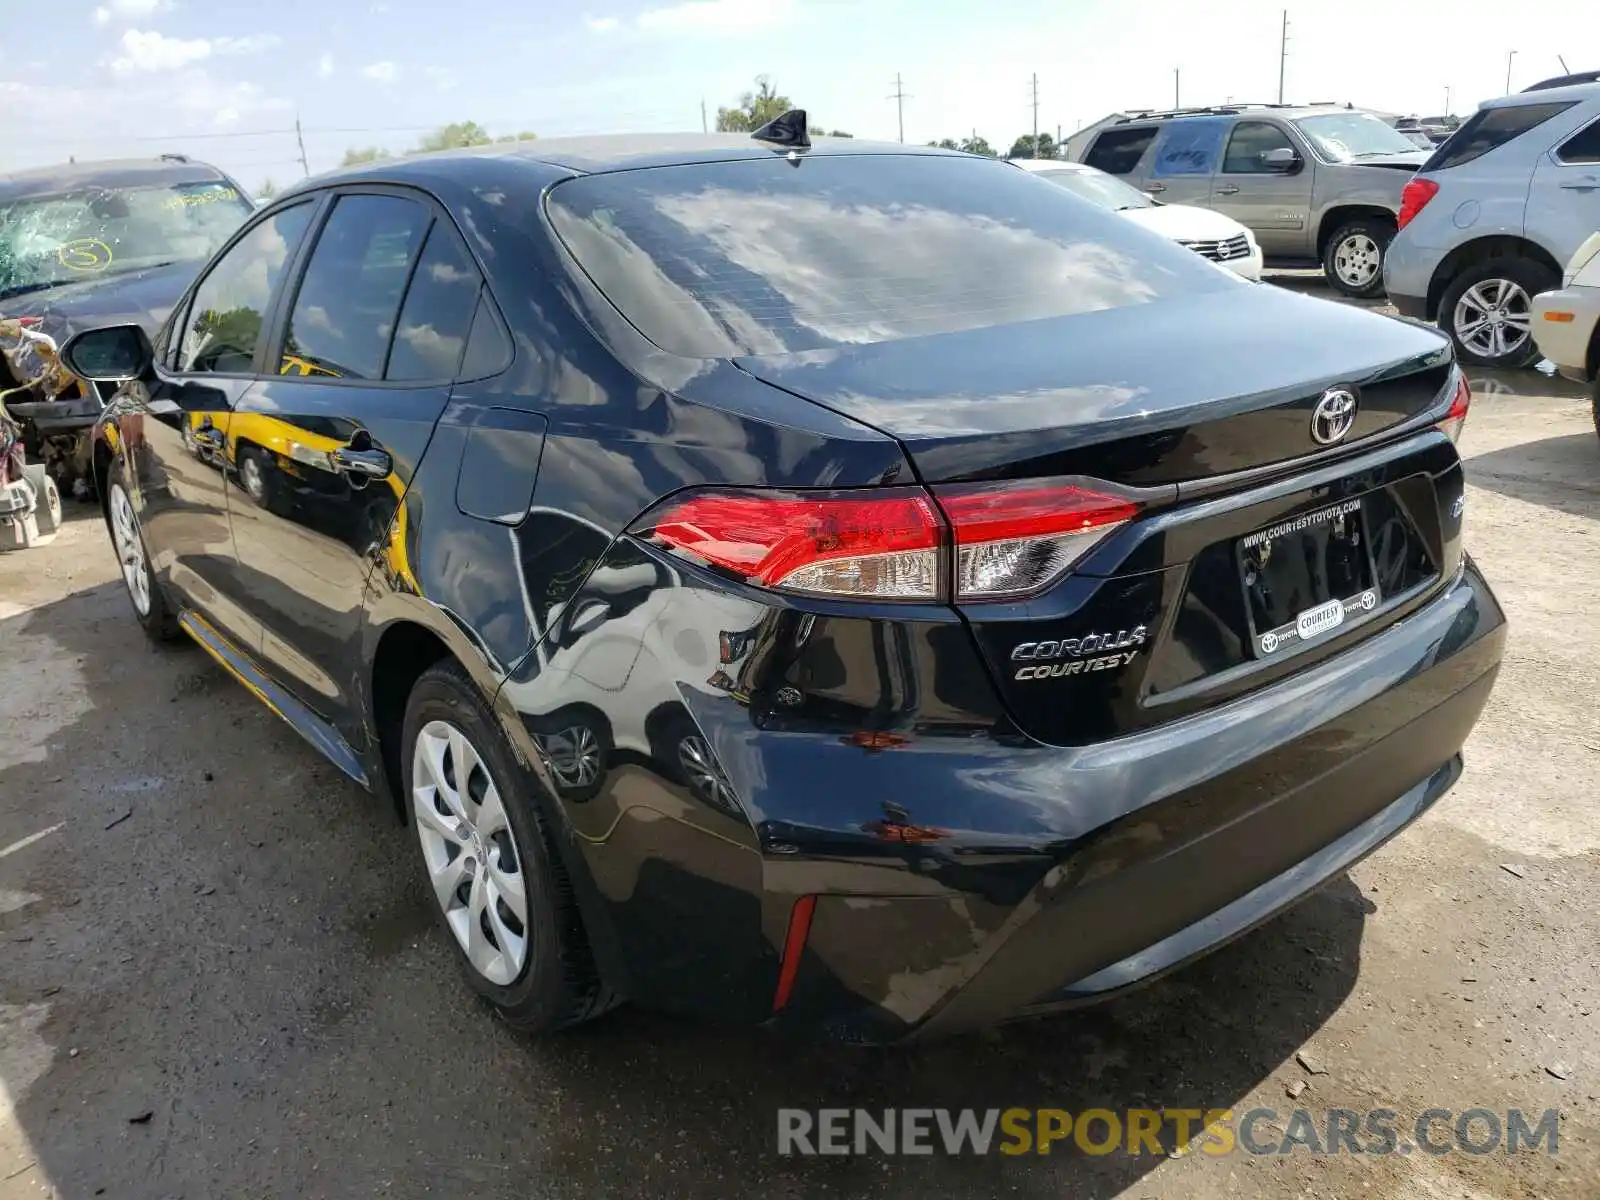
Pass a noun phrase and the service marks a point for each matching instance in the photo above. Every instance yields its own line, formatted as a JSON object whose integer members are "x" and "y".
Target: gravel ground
{"x": 218, "y": 975}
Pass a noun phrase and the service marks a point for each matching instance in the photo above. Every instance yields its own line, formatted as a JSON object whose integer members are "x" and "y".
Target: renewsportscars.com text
{"x": 1140, "y": 1131}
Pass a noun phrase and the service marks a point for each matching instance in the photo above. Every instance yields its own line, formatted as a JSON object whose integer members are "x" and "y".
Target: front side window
{"x": 91, "y": 232}
{"x": 1352, "y": 136}
{"x": 344, "y": 314}
{"x": 1249, "y": 145}
{"x": 1488, "y": 129}
{"x": 760, "y": 256}
{"x": 1118, "y": 151}
{"x": 224, "y": 325}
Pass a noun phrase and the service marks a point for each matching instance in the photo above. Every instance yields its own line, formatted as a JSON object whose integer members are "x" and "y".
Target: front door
{"x": 178, "y": 427}
{"x": 1273, "y": 201}
{"x": 1185, "y": 158}
{"x": 324, "y": 449}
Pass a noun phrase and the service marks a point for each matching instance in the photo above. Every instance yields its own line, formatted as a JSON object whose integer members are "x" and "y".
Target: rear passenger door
{"x": 1274, "y": 202}
{"x": 370, "y": 340}
{"x": 1185, "y": 158}
{"x": 1564, "y": 200}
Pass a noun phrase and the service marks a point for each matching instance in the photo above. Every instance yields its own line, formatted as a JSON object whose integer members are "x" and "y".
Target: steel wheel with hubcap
{"x": 1353, "y": 257}
{"x": 470, "y": 851}
{"x": 497, "y": 881}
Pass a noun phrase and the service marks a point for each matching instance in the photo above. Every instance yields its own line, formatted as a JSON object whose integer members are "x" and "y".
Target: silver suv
{"x": 1316, "y": 184}
{"x": 1494, "y": 215}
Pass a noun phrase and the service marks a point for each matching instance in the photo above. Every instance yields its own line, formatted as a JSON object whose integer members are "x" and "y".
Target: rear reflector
{"x": 1460, "y": 402}
{"x": 794, "y": 945}
{"x": 1414, "y": 198}
{"x": 1014, "y": 538}
{"x": 1010, "y": 539}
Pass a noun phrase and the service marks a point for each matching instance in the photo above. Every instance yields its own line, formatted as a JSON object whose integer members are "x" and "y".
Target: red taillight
{"x": 890, "y": 543}
{"x": 1456, "y": 417}
{"x": 1414, "y": 198}
{"x": 883, "y": 543}
{"x": 1013, "y": 538}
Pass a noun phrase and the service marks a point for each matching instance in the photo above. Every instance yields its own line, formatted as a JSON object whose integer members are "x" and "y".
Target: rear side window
{"x": 437, "y": 314}
{"x": 1582, "y": 147}
{"x": 762, "y": 256}
{"x": 1489, "y": 128}
{"x": 345, "y": 312}
{"x": 1118, "y": 151}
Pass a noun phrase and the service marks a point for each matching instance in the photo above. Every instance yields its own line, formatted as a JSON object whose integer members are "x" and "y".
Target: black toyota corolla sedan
{"x": 848, "y": 586}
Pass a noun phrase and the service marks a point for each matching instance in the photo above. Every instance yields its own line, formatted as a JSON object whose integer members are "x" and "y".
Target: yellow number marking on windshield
{"x": 84, "y": 254}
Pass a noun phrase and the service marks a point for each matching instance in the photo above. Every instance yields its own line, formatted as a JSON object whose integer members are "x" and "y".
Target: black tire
{"x": 558, "y": 984}
{"x": 1380, "y": 233}
{"x": 158, "y": 620}
{"x": 47, "y": 499}
{"x": 1594, "y": 404}
{"x": 1528, "y": 274}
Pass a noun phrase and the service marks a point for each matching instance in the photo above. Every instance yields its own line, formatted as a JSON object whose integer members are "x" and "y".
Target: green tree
{"x": 977, "y": 145}
{"x": 455, "y": 135}
{"x": 267, "y": 190}
{"x": 839, "y": 133}
{"x": 354, "y": 157}
{"x": 754, "y": 110}
{"x": 527, "y": 135}
{"x": 1024, "y": 147}
{"x": 945, "y": 144}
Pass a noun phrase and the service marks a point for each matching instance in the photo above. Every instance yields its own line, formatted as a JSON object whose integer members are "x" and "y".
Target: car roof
{"x": 1550, "y": 95}
{"x": 615, "y": 152}
{"x": 1050, "y": 164}
{"x": 121, "y": 172}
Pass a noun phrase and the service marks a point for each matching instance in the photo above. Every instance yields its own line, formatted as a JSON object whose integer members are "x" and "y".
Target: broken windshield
{"x": 69, "y": 237}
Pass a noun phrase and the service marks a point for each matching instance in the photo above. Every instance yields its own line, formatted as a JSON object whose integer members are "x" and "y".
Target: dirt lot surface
{"x": 218, "y": 976}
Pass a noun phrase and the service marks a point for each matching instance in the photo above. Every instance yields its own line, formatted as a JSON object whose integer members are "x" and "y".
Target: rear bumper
{"x": 1171, "y": 842}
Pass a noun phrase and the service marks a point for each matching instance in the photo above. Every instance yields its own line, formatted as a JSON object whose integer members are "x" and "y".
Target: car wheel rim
{"x": 573, "y": 756}
{"x": 1494, "y": 318}
{"x": 250, "y": 472}
{"x": 703, "y": 773}
{"x": 470, "y": 851}
{"x": 130, "y": 550}
{"x": 1357, "y": 260}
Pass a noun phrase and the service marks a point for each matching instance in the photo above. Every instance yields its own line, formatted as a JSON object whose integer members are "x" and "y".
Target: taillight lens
{"x": 879, "y": 544}
{"x": 1414, "y": 198}
{"x": 1456, "y": 417}
{"x": 1008, "y": 539}
{"x": 1013, "y": 538}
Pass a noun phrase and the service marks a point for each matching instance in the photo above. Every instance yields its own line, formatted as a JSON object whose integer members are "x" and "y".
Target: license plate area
{"x": 1306, "y": 577}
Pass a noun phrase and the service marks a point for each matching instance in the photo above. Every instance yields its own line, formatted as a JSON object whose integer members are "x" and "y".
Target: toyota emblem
{"x": 1334, "y": 415}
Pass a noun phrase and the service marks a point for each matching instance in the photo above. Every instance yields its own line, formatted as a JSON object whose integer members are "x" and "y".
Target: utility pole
{"x": 703, "y": 126}
{"x": 899, "y": 97}
{"x": 1447, "y": 100}
{"x": 302, "y": 142}
{"x": 1036, "y": 115}
{"x": 1176, "y": 103}
{"x": 1058, "y": 137}
{"x": 1512, "y": 54}
{"x": 1283, "y": 53}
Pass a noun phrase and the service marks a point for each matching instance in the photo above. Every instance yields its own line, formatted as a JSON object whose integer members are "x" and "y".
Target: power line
{"x": 900, "y": 97}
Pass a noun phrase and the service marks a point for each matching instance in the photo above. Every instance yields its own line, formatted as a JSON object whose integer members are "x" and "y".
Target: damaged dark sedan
{"x": 83, "y": 244}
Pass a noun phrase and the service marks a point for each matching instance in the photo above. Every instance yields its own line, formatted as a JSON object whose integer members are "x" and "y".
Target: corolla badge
{"x": 1333, "y": 416}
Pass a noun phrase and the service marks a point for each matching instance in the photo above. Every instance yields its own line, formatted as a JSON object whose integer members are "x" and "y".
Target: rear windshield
{"x": 768, "y": 257}
{"x": 1488, "y": 129}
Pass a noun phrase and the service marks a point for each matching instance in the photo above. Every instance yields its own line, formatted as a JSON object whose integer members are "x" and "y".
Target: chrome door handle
{"x": 1226, "y": 189}
{"x": 368, "y": 463}
{"x": 1155, "y": 187}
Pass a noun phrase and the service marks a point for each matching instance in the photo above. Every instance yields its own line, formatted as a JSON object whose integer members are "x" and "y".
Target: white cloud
{"x": 381, "y": 72}
{"x": 716, "y": 17}
{"x": 601, "y": 24}
{"x": 129, "y": 10}
{"x": 151, "y": 51}
{"x": 442, "y": 78}
{"x": 143, "y": 51}
{"x": 325, "y": 66}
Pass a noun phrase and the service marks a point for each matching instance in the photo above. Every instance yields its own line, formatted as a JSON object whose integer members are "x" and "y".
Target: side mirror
{"x": 113, "y": 354}
{"x": 1282, "y": 158}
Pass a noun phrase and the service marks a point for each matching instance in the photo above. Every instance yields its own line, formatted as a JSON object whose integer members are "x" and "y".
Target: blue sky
{"x": 103, "y": 78}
